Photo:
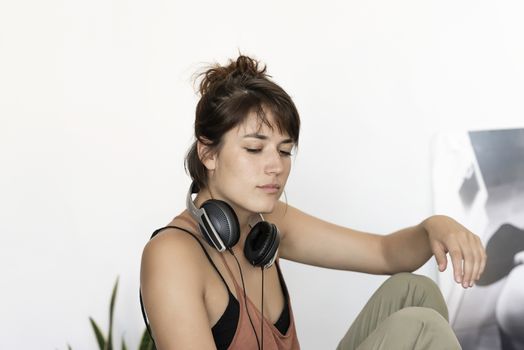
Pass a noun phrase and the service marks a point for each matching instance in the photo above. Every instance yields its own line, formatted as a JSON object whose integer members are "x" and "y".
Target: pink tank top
{"x": 244, "y": 338}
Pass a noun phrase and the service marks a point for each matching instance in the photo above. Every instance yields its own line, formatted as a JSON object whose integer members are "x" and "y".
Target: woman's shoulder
{"x": 182, "y": 230}
{"x": 170, "y": 240}
{"x": 173, "y": 282}
{"x": 285, "y": 216}
{"x": 174, "y": 246}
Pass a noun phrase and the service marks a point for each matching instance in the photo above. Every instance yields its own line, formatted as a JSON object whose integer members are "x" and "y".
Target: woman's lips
{"x": 270, "y": 188}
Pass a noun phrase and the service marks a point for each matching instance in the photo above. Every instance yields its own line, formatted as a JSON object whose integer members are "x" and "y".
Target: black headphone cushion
{"x": 261, "y": 243}
{"x": 224, "y": 220}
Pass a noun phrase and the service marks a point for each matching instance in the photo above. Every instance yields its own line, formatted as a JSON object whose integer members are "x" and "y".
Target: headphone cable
{"x": 262, "y": 321}
{"x": 245, "y": 299}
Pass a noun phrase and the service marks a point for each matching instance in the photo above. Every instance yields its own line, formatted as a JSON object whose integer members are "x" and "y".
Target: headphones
{"x": 219, "y": 225}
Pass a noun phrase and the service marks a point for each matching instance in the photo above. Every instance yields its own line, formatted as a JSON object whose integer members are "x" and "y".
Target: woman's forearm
{"x": 407, "y": 249}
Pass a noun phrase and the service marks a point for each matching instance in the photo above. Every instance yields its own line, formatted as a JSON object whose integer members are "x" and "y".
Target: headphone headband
{"x": 193, "y": 210}
{"x": 203, "y": 220}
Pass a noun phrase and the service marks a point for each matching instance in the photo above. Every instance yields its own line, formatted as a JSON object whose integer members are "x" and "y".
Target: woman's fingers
{"x": 468, "y": 257}
{"x": 465, "y": 249}
{"x": 483, "y": 257}
{"x": 440, "y": 256}
{"x": 469, "y": 264}
{"x": 457, "y": 258}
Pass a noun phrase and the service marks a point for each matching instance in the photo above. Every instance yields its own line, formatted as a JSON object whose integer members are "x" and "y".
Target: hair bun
{"x": 244, "y": 67}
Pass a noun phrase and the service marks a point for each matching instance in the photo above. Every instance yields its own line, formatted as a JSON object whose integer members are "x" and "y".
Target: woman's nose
{"x": 274, "y": 163}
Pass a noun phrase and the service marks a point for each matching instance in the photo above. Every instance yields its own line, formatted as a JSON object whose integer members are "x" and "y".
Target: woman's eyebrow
{"x": 264, "y": 137}
{"x": 256, "y": 136}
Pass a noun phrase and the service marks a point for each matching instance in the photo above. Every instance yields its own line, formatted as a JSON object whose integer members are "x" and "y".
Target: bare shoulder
{"x": 286, "y": 217}
{"x": 173, "y": 282}
{"x": 172, "y": 250}
{"x": 172, "y": 239}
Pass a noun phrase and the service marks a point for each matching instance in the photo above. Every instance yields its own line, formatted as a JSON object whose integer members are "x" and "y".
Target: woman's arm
{"x": 172, "y": 286}
{"x": 312, "y": 241}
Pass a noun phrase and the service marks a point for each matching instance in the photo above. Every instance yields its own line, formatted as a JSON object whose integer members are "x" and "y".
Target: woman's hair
{"x": 228, "y": 94}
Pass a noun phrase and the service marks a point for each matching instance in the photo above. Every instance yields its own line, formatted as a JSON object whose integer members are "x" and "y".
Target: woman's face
{"x": 252, "y": 166}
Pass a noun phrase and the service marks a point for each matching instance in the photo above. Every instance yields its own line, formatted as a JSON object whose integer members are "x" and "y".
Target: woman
{"x": 198, "y": 297}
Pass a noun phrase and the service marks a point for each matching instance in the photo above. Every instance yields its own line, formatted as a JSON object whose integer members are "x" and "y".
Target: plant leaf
{"x": 124, "y": 347}
{"x": 109, "y": 344}
{"x": 146, "y": 343}
{"x": 69, "y": 347}
{"x": 99, "y": 336}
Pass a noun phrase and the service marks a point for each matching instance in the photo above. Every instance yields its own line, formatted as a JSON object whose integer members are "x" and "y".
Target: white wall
{"x": 97, "y": 106}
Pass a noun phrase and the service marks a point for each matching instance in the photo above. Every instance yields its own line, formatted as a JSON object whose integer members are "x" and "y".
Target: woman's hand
{"x": 464, "y": 247}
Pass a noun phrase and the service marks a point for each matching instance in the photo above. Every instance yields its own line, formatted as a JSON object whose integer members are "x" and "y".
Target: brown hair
{"x": 228, "y": 94}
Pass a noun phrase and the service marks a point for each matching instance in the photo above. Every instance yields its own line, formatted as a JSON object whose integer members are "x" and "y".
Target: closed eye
{"x": 258, "y": 150}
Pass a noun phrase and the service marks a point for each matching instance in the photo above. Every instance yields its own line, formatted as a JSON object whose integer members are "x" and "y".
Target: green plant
{"x": 146, "y": 343}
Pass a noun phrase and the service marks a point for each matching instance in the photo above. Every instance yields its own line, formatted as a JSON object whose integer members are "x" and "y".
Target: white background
{"x": 97, "y": 107}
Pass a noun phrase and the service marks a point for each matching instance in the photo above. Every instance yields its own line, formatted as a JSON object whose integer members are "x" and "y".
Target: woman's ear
{"x": 206, "y": 155}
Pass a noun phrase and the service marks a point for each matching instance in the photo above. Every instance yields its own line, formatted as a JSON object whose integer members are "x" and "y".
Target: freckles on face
{"x": 235, "y": 166}
{"x": 253, "y": 156}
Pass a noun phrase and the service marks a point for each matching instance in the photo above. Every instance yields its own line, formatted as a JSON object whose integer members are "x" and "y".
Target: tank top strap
{"x": 201, "y": 245}
{"x": 281, "y": 278}
{"x": 194, "y": 224}
{"x": 237, "y": 287}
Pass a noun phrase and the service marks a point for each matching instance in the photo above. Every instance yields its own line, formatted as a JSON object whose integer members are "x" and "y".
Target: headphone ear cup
{"x": 261, "y": 244}
{"x": 224, "y": 220}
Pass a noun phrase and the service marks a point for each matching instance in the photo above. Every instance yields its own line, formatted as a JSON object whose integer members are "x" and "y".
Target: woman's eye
{"x": 283, "y": 153}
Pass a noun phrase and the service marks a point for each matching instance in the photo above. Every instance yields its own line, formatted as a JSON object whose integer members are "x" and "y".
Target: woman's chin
{"x": 266, "y": 209}
{"x": 262, "y": 207}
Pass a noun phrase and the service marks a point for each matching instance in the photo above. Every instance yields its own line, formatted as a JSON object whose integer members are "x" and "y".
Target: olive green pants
{"x": 406, "y": 312}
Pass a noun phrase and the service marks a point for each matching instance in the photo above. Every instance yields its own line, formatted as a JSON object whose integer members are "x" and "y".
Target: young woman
{"x": 202, "y": 291}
